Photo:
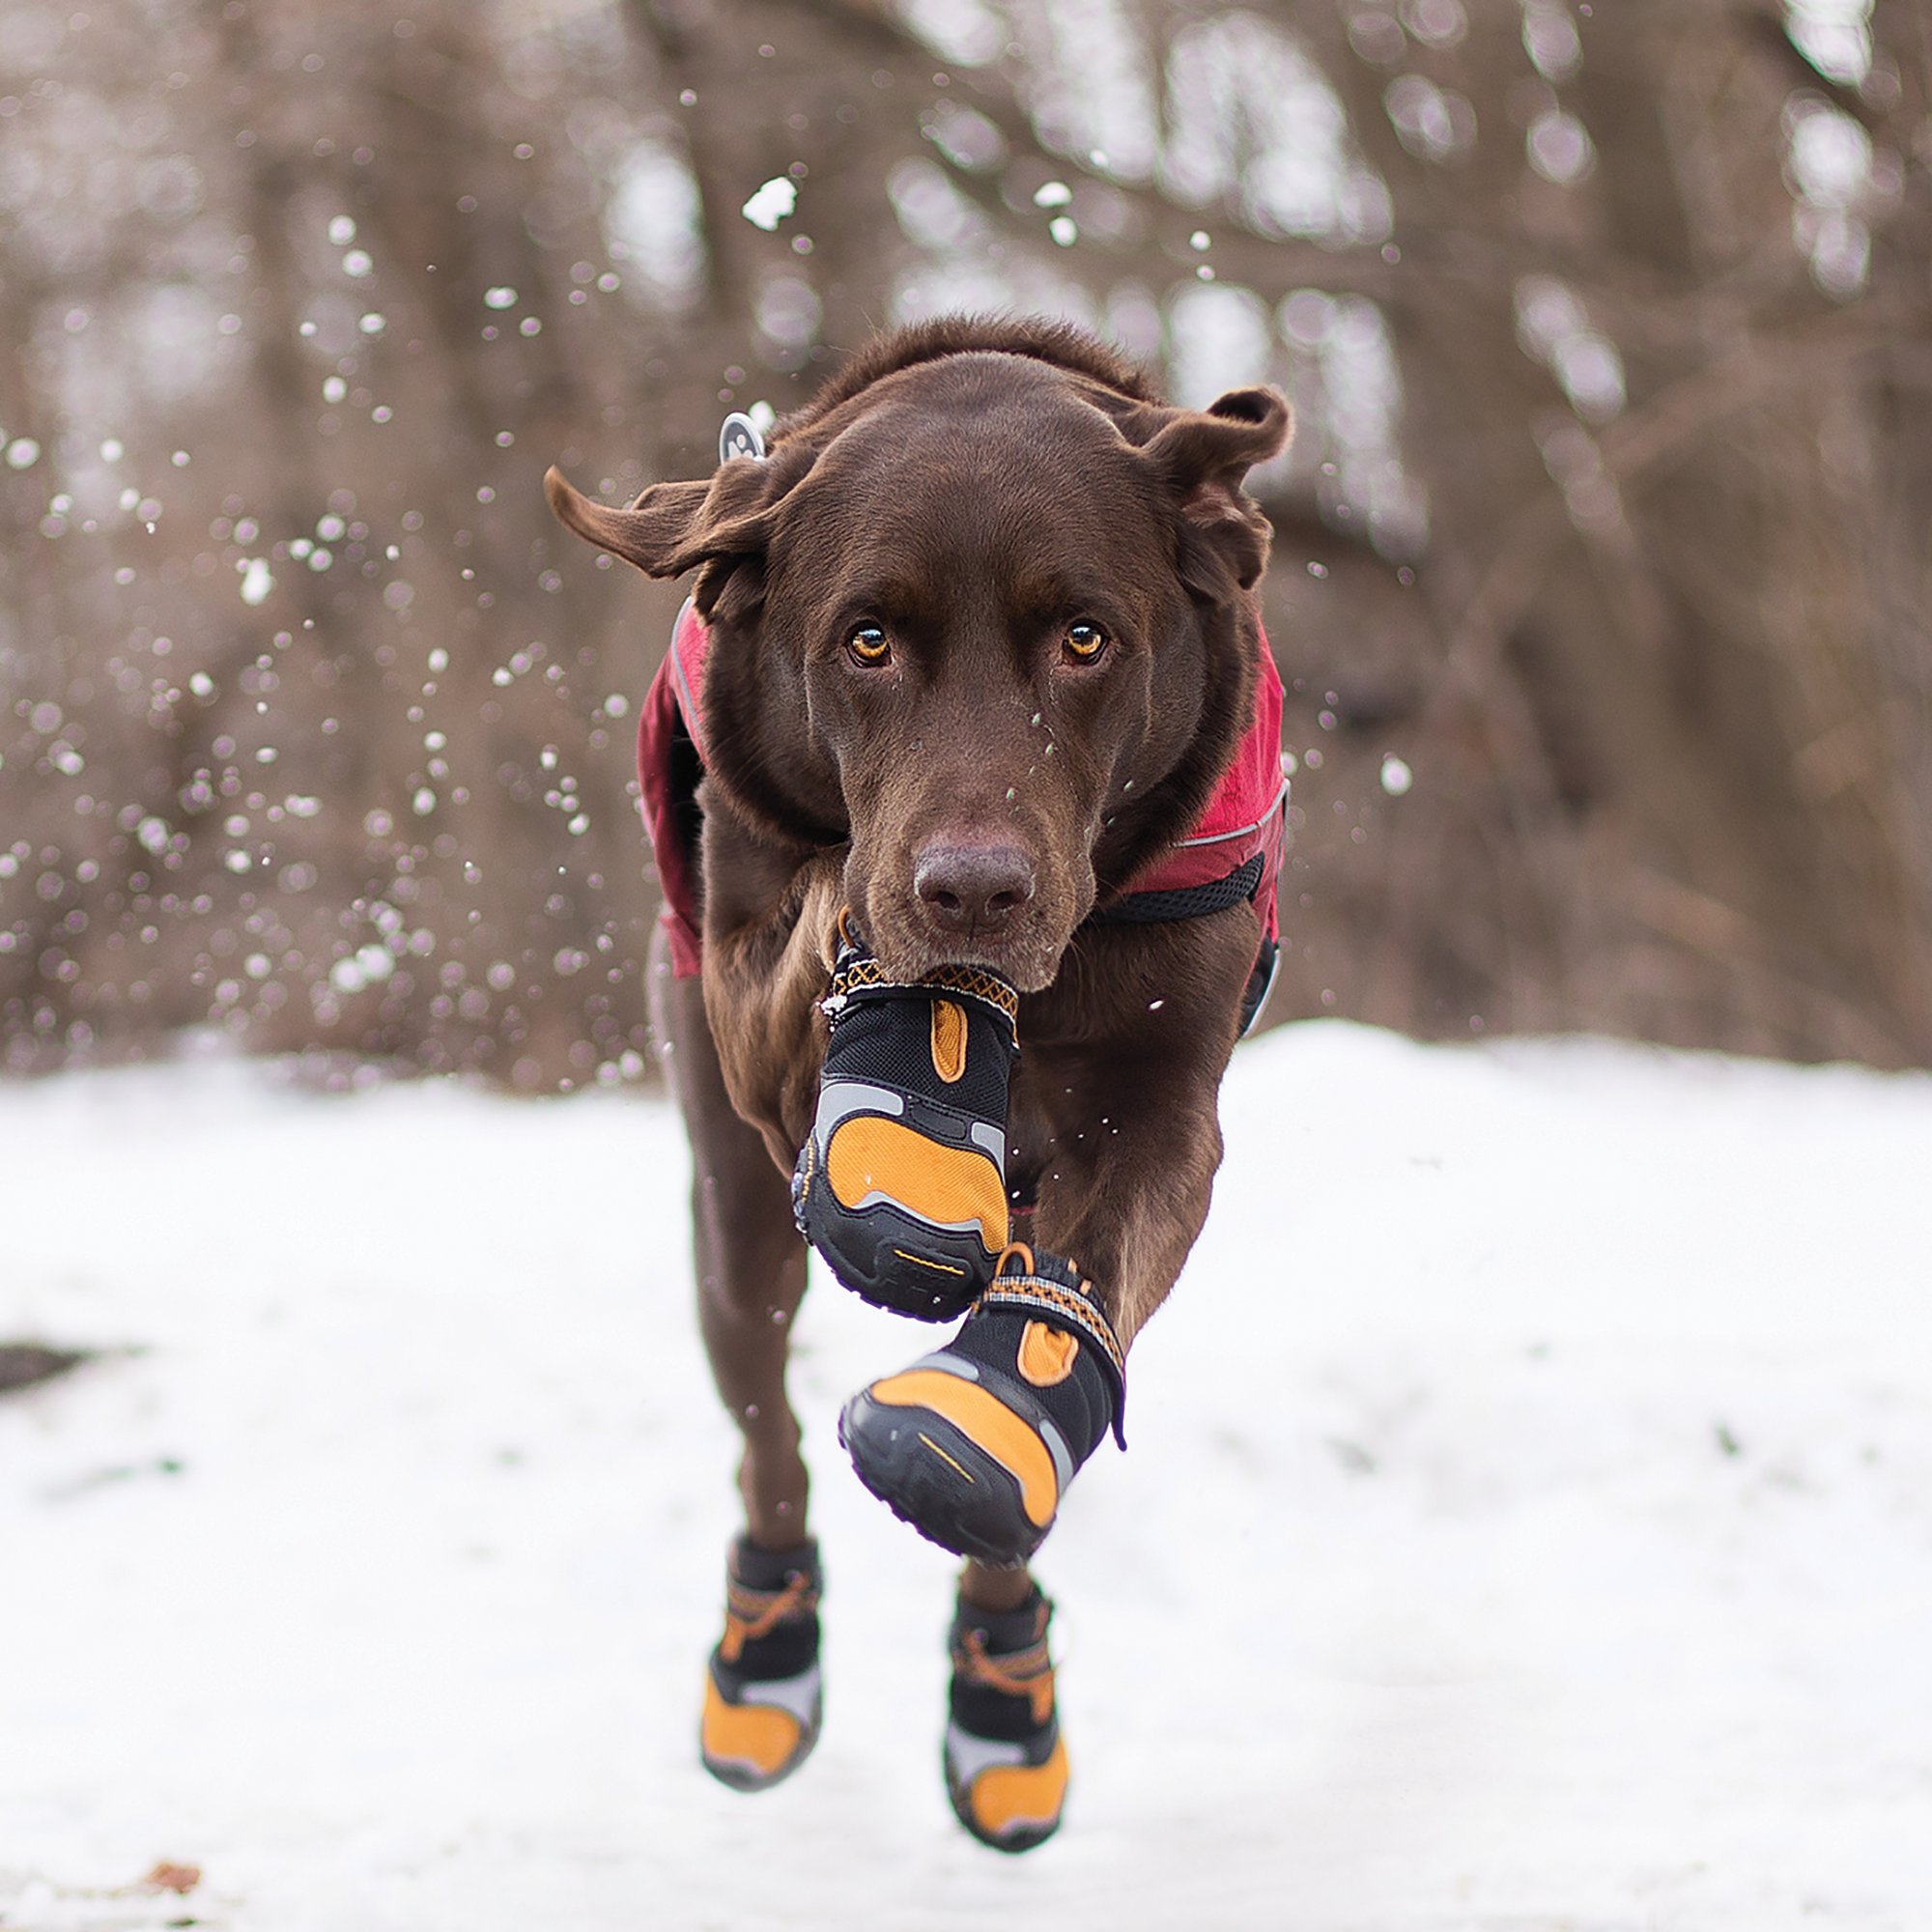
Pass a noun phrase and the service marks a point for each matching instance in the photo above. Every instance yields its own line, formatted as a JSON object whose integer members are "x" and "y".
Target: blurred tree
{"x": 1602, "y": 573}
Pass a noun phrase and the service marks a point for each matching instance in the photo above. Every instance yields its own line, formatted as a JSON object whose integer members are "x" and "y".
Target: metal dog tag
{"x": 739, "y": 437}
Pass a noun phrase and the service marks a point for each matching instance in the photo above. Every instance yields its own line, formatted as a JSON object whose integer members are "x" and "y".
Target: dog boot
{"x": 762, "y": 1699}
{"x": 976, "y": 1444}
{"x": 902, "y": 1184}
{"x": 1005, "y": 1762}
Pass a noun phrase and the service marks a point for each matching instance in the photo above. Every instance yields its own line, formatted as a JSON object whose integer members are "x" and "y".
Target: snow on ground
{"x": 1527, "y": 1527}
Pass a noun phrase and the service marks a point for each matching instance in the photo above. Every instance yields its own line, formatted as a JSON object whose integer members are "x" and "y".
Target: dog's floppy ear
{"x": 1202, "y": 455}
{"x": 673, "y": 526}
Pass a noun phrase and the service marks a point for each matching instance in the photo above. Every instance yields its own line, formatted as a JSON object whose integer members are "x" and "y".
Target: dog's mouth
{"x": 967, "y": 904}
{"x": 1028, "y": 960}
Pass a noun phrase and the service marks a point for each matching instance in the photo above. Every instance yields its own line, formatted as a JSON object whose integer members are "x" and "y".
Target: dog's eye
{"x": 1084, "y": 641}
{"x": 869, "y": 645}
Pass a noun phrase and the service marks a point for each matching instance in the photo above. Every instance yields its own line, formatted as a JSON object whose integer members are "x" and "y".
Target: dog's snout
{"x": 972, "y": 888}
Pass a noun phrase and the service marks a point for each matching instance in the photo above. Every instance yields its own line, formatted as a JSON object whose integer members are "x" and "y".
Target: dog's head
{"x": 985, "y": 616}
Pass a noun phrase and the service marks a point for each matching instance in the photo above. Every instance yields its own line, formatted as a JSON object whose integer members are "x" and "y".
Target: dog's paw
{"x": 762, "y": 1697}
{"x": 975, "y": 1445}
{"x": 1005, "y": 1762}
{"x": 901, "y": 1184}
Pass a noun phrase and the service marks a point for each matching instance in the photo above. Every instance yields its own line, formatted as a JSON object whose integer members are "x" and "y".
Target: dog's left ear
{"x": 1202, "y": 455}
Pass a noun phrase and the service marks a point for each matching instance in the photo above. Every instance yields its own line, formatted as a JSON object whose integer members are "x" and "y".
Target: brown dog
{"x": 978, "y": 649}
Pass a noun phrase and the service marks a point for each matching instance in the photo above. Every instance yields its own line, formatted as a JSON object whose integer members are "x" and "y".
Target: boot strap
{"x": 856, "y": 975}
{"x": 863, "y": 978}
{"x": 1067, "y": 1309}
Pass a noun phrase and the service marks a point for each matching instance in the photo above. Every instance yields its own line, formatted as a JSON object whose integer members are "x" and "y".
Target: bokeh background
{"x": 1604, "y": 548}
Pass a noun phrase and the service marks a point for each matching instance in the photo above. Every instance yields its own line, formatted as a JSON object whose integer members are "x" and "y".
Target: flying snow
{"x": 773, "y": 201}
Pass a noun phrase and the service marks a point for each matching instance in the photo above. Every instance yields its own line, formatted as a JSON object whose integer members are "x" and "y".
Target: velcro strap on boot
{"x": 1051, "y": 1289}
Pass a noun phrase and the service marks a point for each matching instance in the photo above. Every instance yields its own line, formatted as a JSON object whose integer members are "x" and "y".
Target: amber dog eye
{"x": 1084, "y": 641}
{"x": 869, "y": 645}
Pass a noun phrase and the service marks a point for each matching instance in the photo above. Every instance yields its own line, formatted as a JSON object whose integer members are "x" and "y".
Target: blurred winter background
{"x": 1565, "y": 1494}
{"x": 1603, "y": 566}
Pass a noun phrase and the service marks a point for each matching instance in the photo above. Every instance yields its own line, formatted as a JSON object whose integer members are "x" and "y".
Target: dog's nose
{"x": 972, "y": 888}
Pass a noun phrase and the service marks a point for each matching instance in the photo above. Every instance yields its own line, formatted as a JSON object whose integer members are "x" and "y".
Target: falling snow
{"x": 771, "y": 202}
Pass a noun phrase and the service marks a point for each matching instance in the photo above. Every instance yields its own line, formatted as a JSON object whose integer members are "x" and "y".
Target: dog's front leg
{"x": 1114, "y": 1124}
{"x": 770, "y": 919}
{"x": 1125, "y": 1116}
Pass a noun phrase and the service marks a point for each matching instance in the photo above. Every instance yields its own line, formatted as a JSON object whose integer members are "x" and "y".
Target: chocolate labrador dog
{"x": 963, "y": 778}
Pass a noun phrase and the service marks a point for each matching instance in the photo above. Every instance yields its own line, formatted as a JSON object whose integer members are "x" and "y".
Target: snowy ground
{"x": 1529, "y": 1525}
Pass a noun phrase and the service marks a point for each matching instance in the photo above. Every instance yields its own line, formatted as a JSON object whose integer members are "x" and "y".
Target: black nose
{"x": 972, "y": 888}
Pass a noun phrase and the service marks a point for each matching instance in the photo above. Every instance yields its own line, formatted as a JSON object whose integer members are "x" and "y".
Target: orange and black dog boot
{"x": 901, "y": 1185}
{"x": 762, "y": 1699}
{"x": 975, "y": 1445}
{"x": 1006, "y": 1761}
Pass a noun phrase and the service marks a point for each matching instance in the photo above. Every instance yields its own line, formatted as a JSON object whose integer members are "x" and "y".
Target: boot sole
{"x": 935, "y": 1478}
{"x": 742, "y": 1779}
{"x": 889, "y": 1256}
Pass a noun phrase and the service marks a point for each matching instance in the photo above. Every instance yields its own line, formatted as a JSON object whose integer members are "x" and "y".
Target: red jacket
{"x": 1244, "y": 822}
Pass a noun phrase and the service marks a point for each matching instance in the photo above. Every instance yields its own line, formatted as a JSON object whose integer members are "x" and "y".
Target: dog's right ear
{"x": 673, "y": 527}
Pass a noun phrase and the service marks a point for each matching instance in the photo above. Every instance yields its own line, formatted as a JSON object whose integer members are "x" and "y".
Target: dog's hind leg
{"x": 762, "y": 1700}
{"x": 988, "y": 1589}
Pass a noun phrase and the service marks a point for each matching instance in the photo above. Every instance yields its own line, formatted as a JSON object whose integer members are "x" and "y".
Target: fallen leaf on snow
{"x": 169, "y": 1876}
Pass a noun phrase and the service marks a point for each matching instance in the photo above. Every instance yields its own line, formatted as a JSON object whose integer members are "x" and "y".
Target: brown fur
{"x": 975, "y": 487}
